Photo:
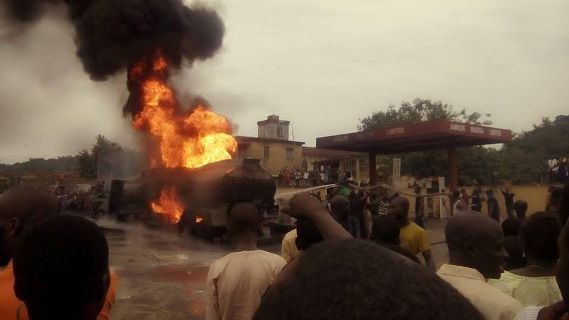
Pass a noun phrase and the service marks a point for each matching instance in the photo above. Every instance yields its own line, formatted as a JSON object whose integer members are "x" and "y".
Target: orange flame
{"x": 184, "y": 139}
{"x": 168, "y": 205}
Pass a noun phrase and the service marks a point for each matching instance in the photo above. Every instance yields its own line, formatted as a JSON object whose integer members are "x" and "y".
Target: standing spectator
{"x": 493, "y": 207}
{"x": 512, "y": 244}
{"x": 419, "y": 208}
{"x": 356, "y": 280}
{"x": 534, "y": 284}
{"x": 465, "y": 197}
{"x": 356, "y": 217}
{"x": 385, "y": 232}
{"x": 61, "y": 269}
{"x": 476, "y": 200}
{"x": 384, "y": 202}
{"x": 236, "y": 282}
{"x": 21, "y": 208}
{"x": 413, "y": 237}
{"x": 509, "y": 200}
{"x": 373, "y": 204}
{"x": 459, "y": 206}
{"x": 520, "y": 207}
{"x": 475, "y": 254}
{"x": 289, "y": 251}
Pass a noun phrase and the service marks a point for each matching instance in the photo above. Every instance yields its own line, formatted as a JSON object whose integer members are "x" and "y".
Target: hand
{"x": 556, "y": 311}
{"x": 302, "y": 205}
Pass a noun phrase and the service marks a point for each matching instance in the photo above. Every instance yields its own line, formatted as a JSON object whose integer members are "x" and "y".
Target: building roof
{"x": 437, "y": 134}
{"x": 243, "y": 139}
{"x": 330, "y": 154}
{"x": 272, "y": 119}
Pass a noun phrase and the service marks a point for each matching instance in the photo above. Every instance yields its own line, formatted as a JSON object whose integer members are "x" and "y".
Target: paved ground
{"x": 162, "y": 276}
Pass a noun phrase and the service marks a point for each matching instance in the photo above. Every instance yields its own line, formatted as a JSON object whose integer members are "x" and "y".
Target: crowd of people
{"x": 57, "y": 266}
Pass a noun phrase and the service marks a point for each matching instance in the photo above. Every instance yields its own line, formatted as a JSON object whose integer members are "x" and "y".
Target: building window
{"x": 266, "y": 151}
{"x": 280, "y": 132}
{"x": 289, "y": 154}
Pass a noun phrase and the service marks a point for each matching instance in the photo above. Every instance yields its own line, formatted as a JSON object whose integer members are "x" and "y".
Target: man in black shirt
{"x": 493, "y": 207}
{"x": 476, "y": 200}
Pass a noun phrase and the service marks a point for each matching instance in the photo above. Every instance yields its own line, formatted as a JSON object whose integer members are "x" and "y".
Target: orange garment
{"x": 11, "y": 308}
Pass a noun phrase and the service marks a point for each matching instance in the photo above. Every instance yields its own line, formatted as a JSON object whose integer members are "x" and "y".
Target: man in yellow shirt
{"x": 289, "y": 251}
{"x": 413, "y": 237}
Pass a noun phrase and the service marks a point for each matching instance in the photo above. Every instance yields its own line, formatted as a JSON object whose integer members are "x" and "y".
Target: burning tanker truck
{"x": 197, "y": 200}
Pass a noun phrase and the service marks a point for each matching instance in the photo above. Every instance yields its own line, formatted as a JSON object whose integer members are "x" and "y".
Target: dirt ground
{"x": 163, "y": 276}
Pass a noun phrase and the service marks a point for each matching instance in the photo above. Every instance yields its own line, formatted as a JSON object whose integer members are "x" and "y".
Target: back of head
{"x": 306, "y": 234}
{"x": 28, "y": 204}
{"x": 539, "y": 234}
{"x": 340, "y": 207}
{"x": 20, "y": 208}
{"x": 476, "y": 241}
{"x": 511, "y": 227}
{"x": 385, "y": 230}
{"x": 357, "y": 280}
{"x": 61, "y": 268}
{"x": 243, "y": 218}
{"x": 399, "y": 208}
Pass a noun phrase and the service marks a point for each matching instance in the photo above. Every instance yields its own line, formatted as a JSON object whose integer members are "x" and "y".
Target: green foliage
{"x": 417, "y": 111}
{"x": 59, "y": 164}
{"x": 524, "y": 158}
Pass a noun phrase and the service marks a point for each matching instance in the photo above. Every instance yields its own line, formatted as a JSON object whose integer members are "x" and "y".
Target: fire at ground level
{"x": 163, "y": 276}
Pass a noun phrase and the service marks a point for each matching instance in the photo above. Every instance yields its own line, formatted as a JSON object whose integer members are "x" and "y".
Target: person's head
{"x": 417, "y": 190}
{"x": 399, "y": 209}
{"x": 476, "y": 241}
{"x": 538, "y": 235}
{"x": 489, "y": 192}
{"x": 306, "y": 234}
{"x": 385, "y": 230}
{"x": 463, "y": 192}
{"x": 520, "y": 207}
{"x": 356, "y": 279}
{"x": 511, "y": 227}
{"x": 20, "y": 208}
{"x": 61, "y": 269}
{"x": 243, "y": 220}
{"x": 340, "y": 207}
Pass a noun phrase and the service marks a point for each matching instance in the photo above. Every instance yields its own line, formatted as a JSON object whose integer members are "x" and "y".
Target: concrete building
{"x": 335, "y": 161}
{"x": 276, "y": 152}
{"x": 273, "y": 128}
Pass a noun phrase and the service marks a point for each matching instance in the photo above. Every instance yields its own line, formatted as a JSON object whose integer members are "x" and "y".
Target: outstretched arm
{"x": 306, "y": 206}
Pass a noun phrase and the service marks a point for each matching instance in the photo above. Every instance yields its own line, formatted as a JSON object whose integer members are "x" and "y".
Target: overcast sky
{"x": 320, "y": 64}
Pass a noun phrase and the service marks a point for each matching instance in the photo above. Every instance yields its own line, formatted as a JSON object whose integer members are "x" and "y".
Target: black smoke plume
{"x": 113, "y": 35}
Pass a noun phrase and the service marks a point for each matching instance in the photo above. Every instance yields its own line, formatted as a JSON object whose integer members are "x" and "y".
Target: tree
{"x": 474, "y": 162}
{"x": 417, "y": 111}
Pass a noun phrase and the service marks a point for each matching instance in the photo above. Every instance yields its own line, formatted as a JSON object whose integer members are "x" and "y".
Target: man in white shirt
{"x": 237, "y": 281}
{"x": 476, "y": 253}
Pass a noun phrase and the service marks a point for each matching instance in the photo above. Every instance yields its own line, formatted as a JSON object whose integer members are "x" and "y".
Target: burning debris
{"x": 149, "y": 39}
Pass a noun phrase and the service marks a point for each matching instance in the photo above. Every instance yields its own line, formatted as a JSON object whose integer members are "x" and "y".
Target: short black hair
{"x": 520, "y": 206}
{"x": 357, "y": 279}
{"x": 243, "y": 217}
{"x": 539, "y": 234}
{"x": 61, "y": 265}
{"x": 511, "y": 226}
{"x": 385, "y": 230}
{"x": 306, "y": 234}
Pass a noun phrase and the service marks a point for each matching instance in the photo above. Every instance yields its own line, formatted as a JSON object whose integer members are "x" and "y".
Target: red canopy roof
{"x": 438, "y": 134}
